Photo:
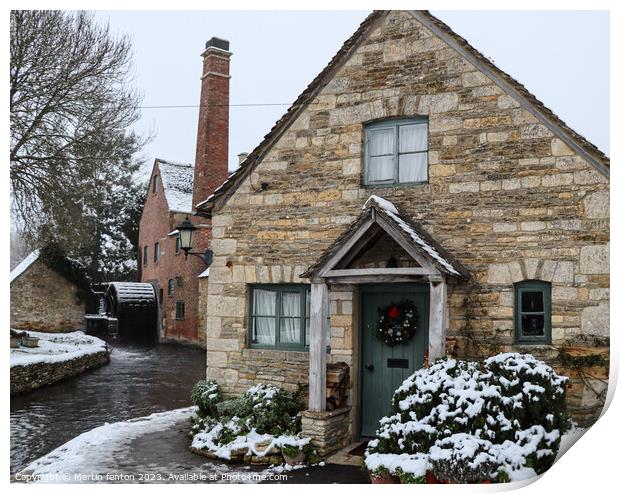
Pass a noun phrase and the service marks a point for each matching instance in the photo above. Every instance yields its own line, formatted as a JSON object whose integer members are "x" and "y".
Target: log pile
{"x": 337, "y": 385}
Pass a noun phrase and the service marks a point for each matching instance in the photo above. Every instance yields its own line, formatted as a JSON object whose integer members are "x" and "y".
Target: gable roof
{"x": 512, "y": 87}
{"x": 23, "y": 266}
{"x": 411, "y": 231}
{"x": 177, "y": 183}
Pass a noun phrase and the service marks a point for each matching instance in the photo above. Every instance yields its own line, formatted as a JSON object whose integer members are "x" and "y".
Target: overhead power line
{"x": 152, "y": 107}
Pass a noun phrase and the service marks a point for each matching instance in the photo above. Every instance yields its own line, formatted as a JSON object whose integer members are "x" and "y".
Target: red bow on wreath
{"x": 393, "y": 312}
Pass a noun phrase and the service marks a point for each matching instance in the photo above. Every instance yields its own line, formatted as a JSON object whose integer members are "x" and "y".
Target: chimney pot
{"x": 242, "y": 157}
{"x": 220, "y": 43}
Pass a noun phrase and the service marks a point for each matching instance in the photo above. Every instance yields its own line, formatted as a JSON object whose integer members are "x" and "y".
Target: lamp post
{"x": 186, "y": 231}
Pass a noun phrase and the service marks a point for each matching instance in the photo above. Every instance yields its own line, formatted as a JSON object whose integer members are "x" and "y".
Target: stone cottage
{"x": 174, "y": 188}
{"x": 410, "y": 172}
{"x": 43, "y": 299}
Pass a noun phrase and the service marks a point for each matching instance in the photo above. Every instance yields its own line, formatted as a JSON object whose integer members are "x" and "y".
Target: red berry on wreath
{"x": 393, "y": 312}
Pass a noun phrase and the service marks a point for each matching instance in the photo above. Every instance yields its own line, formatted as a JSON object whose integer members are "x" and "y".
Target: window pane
{"x": 264, "y": 303}
{"x": 381, "y": 169}
{"x": 264, "y": 331}
{"x": 381, "y": 142}
{"x": 290, "y": 330}
{"x": 291, "y": 304}
{"x": 532, "y": 302}
{"x": 412, "y": 138}
{"x": 533, "y": 325}
{"x": 412, "y": 168}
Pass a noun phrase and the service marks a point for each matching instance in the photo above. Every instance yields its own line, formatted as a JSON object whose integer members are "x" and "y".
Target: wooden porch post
{"x": 319, "y": 307}
{"x": 437, "y": 319}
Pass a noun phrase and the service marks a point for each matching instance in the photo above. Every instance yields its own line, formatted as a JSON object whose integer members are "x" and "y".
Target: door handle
{"x": 370, "y": 367}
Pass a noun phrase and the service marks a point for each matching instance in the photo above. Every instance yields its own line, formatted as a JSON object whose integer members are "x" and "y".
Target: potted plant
{"x": 382, "y": 475}
{"x": 293, "y": 455}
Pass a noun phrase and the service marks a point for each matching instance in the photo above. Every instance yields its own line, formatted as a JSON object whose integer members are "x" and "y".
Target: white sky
{"x": 561, "y": 57}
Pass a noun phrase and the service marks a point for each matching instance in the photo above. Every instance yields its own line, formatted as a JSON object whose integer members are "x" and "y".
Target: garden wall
{"x": 26, "y": 378}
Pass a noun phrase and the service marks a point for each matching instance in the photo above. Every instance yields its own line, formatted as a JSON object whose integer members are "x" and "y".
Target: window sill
{"x": 282, "y": 349}
{"x": 393, "y": 186}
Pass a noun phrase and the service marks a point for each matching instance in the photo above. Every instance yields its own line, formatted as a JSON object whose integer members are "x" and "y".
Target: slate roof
{"x": 413, "y": 231}
{"x": 579, "y": 143}
{"x": 177, "y": 181}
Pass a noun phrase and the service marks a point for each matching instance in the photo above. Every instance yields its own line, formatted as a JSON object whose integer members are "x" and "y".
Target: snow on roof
{"x": 178, "y": 184}
{"x": 24, "y": 265}
{"x": 204, "y": 274}
{"x": 392, "y": 211}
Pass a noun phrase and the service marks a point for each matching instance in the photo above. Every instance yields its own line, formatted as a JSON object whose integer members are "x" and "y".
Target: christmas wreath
{"x": 397, "y": 322}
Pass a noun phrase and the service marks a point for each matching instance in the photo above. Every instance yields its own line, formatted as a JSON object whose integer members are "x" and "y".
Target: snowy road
{"x": 139, "y": 380}
{"x": 155, "y": 449}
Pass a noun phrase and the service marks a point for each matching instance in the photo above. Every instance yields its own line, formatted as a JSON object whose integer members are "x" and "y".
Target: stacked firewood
{"x": 337, "y": 385}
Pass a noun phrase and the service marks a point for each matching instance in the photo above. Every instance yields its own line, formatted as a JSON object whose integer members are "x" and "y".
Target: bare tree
{"x": 70, "y": 107}
{"x": 72, "y": 151}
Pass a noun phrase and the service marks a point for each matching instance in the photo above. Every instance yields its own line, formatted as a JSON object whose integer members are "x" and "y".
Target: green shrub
{"x": 273, "y": 410}
{"x": 509, "y": 400}
{"x": 206, "y": 395}
{"x": 234, "y": 407}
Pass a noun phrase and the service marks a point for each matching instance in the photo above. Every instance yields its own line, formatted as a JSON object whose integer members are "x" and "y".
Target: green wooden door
{"x": 384, "y": 368}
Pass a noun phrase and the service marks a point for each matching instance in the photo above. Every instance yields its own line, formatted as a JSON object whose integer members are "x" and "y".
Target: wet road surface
{"x": 139, "y": 380}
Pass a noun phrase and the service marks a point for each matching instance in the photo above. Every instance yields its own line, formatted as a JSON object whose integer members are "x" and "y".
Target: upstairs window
{"x": 145, "y": 255}
{"x": 533, "y": 312}
{"x": 170, "y": 286}
{"x": 180, "y": 310}
{"x": 396, "y": 152}
{"x": 155, "y": 183}
{"x": 156, "y": 254}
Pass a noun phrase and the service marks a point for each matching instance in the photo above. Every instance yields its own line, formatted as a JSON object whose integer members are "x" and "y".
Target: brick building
{"x": 44, "y": 300}
{"x": 410, "y": 169}
{"x": 174, "y": 189}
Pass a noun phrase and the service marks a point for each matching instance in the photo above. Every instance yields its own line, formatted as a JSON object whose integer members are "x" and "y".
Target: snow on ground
{"x": 87, "y": 453}
{"x": 56, "y": 347}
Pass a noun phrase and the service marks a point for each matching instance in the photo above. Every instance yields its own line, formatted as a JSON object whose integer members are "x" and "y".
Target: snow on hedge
{"x": 470, "y": 421}
{"x": 56, "y": 347}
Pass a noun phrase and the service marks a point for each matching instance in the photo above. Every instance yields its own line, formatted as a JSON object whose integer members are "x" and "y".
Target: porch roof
{"x": 399, "y": 226}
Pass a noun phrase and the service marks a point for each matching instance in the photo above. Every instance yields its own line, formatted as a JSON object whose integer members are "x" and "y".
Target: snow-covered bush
{"x": 462, "y": 458}
{"x": 206, "y": 395}
{"x": 513, "y": 406}
{"x": 273, "y": 410}
{"x": 264, "y": 414}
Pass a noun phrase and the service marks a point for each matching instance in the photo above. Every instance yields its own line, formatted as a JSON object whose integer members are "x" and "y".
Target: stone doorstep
{"x": 342, "y": 456}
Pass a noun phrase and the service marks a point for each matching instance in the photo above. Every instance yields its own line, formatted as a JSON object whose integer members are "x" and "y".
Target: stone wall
{"x": 505, "y": 196}
{"x": 42, "y": 300}
{"x": 330, "y": 431}
{"x": 29, "y": 377}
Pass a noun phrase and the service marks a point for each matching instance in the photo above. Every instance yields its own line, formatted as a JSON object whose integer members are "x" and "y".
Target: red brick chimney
{"x": 211, "y": 166}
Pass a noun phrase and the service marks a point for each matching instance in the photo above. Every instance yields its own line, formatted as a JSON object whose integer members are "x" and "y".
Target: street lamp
{"x": 186, "y": 232}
